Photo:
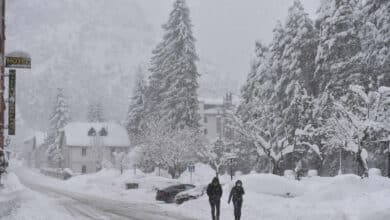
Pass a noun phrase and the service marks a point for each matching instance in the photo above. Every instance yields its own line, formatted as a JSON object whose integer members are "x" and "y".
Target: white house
{"x": 86, "y": 146}
{"x": 213, "y": 114}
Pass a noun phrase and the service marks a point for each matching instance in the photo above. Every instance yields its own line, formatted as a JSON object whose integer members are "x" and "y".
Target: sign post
{"x": 2, "y": 71}
{"x": 191, "y": 169}
{"x": 11, "y": 102}
{"x": 14, "y": 60}
{"x": 231, "y": 158}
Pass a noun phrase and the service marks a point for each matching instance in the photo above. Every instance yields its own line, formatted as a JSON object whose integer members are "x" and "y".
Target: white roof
{"x": 76, "y": 134}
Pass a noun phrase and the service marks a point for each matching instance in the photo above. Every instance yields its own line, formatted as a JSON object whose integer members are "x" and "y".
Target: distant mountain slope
{"x": 92, "y": 49}
{"x": 89, "y": 47}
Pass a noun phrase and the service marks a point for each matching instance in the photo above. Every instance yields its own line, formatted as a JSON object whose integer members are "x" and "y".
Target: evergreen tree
{"x": 136, "y": 113}
{"x": 291, "y": 98}
{"x": 95, "y": 112}
{"x": 257, "y": 84}
{"x": 375, "y": 37}
{"x": 58, "y": 120}
{"x": 298, "y": 64}
{"x": 173, "y": 82}
{"x": 338, "y": 60}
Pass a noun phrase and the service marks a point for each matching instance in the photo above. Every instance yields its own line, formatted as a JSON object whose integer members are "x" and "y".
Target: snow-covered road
{"x": 83, "y": 206}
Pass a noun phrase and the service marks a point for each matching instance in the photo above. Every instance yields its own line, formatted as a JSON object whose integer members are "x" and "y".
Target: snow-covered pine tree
{"x": 258, "y": 84}
{"x": 172, "y": 94}
{"x": 136, "y": 112}
{"x": 296, "y": 77}
{"x": 95, "y": 112}
{"x": 375, "y": 37}
{"x": 298, "y": 64}
{"x": 58, "y": 120}
{"x": 261, "y": 117}
{"x": 338, "y": 60}
{"x": 277, "y": 50}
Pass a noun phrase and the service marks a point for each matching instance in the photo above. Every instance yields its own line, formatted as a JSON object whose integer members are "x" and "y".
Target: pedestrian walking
{"x": 236, "y": 194}
{"x": 214, "y": 191}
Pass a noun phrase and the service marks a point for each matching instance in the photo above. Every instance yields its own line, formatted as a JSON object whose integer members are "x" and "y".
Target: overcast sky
{"x": 227, "y": 29}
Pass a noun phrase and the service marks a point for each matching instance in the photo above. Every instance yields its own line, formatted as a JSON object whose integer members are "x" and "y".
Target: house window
{"x": 103, "y": 132}
{"x": 84, "y": 152}
{"x": 84, "y": 169}
{"x": 205, "y": 119}
{"x": 205, "y": 131}
{"x": 92, "y": 132}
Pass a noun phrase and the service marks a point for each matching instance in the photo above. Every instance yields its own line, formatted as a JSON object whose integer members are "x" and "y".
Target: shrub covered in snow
{"x": 312, "y": 173}
{"x": 374, "y": 172}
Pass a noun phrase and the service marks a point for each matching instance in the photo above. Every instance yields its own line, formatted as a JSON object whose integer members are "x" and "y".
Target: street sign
{"x": 11, "y": 102}
{"x": 191, "y": 168}
{"x": 18, "y": 60}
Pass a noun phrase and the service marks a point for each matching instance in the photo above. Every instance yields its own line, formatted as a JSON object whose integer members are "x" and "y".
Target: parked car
{"x": 168, "y": 194}
{"x": 190, "y": 194}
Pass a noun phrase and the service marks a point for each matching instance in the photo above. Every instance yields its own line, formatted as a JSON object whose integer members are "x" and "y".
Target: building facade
{"x": 213, "y": 117}
{"x": 86, "y": 146}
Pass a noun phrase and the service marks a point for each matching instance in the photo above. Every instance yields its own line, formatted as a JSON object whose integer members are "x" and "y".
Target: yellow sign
{"x": 18, "y": 62}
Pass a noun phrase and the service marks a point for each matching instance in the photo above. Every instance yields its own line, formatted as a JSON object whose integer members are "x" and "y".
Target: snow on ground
{"x": 345, "y": 197}
{"x": 20, "y": 203}
{"x": 272, "y": 197}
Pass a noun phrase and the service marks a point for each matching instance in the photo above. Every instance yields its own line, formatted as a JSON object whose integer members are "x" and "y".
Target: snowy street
{"x": 103, "y": 196}
{"x": 195, "y": 110}
{"x": 83, "y": 206}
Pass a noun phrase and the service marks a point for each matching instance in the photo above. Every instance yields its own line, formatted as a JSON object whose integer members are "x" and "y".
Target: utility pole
{"x": 2, "y": 72}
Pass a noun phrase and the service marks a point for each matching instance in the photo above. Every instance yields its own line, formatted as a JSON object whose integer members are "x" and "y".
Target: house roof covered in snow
{"x": 109, "y": 134}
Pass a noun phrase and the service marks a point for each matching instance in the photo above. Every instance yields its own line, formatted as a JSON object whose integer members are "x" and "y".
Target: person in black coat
{"x": 214, "y": 191}
{"x": 236, "y": 193}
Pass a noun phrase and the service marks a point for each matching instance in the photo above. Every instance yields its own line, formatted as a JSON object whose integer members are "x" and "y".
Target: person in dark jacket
{"x": 214, "y": 191}
{"x": 236, "y": 193}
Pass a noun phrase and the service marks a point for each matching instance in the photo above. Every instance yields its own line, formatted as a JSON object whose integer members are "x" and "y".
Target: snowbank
{"x": 203, "y": 174}
{"x": 11, "y": 183}
{"x": 267, "y": 196}
{"x": 271, "y": 185}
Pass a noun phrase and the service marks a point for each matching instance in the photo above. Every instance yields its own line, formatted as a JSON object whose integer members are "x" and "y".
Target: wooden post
{"x": 2, "y": 73}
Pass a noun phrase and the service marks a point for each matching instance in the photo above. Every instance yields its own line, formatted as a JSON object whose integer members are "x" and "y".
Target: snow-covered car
{"x": 190, "y": 194}
{"x": 168, "y": 194}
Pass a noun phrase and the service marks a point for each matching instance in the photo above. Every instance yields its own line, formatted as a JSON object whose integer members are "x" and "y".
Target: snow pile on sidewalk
{"x": 10, "y": 183}
{"x": 20, "y": 203}
{"x": 322, "y": 198}
{"x": 267, "y": 196}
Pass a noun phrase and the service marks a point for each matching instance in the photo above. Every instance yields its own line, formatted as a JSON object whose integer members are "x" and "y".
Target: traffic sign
{"x": 191, "y": 168}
